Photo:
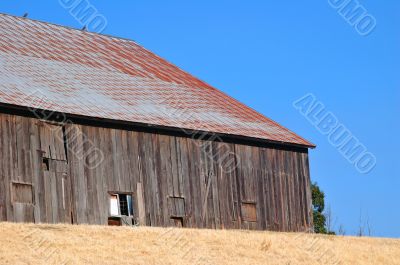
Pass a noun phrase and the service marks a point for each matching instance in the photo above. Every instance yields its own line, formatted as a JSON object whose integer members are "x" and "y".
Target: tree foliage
{"x": 318, "y": 201}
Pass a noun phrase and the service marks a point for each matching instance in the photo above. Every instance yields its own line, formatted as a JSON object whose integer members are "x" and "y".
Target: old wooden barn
{"x": 96, "y": 129}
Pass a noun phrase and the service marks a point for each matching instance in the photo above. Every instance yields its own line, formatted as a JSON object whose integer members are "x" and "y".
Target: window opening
{"x": 249, "y": 211}
{"x": 121, "y": 204}
{"x": 45, "y": 164}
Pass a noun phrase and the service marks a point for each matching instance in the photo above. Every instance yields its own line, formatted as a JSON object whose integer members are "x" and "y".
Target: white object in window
{"x": 114, "y": 208}
{"x": 121, "y": 204}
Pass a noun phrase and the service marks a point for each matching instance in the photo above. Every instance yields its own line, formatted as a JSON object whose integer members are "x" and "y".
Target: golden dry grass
{"x": 63, "y": 244}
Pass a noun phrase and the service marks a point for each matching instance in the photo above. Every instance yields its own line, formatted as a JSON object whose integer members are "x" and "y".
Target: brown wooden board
{"x": 209, "y": 184}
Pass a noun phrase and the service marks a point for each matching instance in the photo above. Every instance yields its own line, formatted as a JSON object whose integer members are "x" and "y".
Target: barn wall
{"x": 214, "y": 184}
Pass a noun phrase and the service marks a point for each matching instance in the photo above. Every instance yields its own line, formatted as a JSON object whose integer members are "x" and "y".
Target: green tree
{"x": 318, "y": 201}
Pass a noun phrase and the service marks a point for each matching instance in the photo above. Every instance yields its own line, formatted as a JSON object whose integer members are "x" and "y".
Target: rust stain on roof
{"x": 94, "y": 75}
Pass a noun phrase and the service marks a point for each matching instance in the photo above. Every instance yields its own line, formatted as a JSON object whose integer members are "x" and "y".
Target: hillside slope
{"x": 62, "y": 244}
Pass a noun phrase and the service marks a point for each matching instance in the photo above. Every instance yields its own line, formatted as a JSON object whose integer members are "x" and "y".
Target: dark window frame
{"x": 133, "y": 205}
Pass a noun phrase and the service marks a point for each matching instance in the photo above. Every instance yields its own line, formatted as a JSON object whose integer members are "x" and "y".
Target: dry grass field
{"x": 62, "y": 244}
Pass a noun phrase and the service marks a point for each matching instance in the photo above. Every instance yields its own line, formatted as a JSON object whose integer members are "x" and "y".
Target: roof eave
{"x": 96, "y": 121}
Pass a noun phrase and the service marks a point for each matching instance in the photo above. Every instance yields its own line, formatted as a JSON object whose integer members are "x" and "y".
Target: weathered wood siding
{"x": 72, "y": 169}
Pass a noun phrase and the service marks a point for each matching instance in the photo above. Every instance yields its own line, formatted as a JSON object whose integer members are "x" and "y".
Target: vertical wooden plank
{"x": 175, "y": 178}
{"x": 47, "y": 197}
{"x": 18, "y": 212}
{"x": 155, "y": 162}
{"x": 238, "y": 186}
{"x": 53, "y": 198}
{"x": 70, "y": 138}
{"x": 308, "y": 207}
{"x": 62, "y": 191}
{"x": 88, "y": 175}
{"x": 293, "y": 197}
{"x": 283, "y": 180}
{"x": 123, "y": 157}
{"x": 110, "y": 180}
{"x": 274, "y": 225}
{"x": 141, "y": 204}
{"x": 164, "y": 176}
{"x": 208, "y": 173}
{"x": 79, "y": 185}
{"x": 143, "y": 178}
{"x": 197, "y": 174}
{"x": 150, "y": 192}
{"x": 214, "y": 153}
{"x": 95, "y": 175}
{"x": 20, "y": 130}
{"x": 134, "y": 169}
{"x": 101, "y": 181}
{"x": 3, "y": 170}
{"x": 276, "y": 188}
{"x": 9, "y": 161}
{"x": 36, "y": 158}
{"x": 115, "y": 140}
{"x": 264, "y": 189}
{"x": 222, "y": 186}
{"x": 152, "y": 195}
{"x": 182, "y": 164}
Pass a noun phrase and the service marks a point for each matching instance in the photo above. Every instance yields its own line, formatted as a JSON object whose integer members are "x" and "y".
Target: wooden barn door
{"x": 55, "y": 195}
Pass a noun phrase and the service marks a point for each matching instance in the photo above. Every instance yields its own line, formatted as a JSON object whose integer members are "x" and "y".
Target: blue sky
{"x": 267, "y": 54}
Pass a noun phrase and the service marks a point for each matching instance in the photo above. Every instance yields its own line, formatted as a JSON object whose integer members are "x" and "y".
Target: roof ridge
{"x": 67, "y": 27}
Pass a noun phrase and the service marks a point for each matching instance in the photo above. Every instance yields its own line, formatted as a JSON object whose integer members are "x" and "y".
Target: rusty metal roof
{"x": 93, "y": 75}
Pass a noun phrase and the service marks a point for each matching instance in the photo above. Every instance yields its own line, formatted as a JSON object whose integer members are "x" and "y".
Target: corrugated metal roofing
{"x": 94, "y": 75}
